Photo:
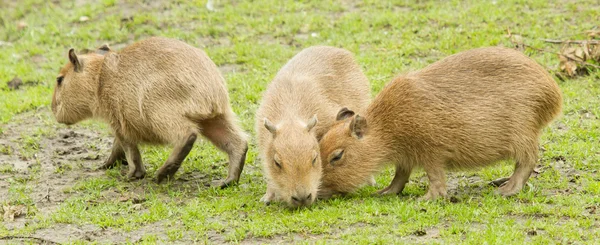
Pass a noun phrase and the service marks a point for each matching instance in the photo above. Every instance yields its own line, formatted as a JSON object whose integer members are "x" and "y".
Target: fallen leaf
{"x": 21, "y": 25}
{"x": 593, "y": 33}
{"x": 84, "y": 18}
{"x": 568, "y": 66}
{"x": 595, "y": 52}
{"x": 137, "y": 206}
{"x": 11, "y": 212}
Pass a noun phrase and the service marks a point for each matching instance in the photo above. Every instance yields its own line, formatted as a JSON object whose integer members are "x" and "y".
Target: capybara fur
{"x": 469, "y": 110}
{"x": 298, "y": 107}
{"x": 155, "y": 91}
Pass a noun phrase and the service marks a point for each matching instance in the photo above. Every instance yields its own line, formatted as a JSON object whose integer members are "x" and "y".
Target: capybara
{"x": 469, "y": 110}
{"x": 298, "y": 107}
{"x": 155, "y": 91}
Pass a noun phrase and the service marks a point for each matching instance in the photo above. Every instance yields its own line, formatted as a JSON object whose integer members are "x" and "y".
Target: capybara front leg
{"x": 269, "y": 196}
{"x": 437, "y": 181}
{"x": 179, "y": 153}
{"x": 400, "y": 179}
{"x": 117, "y": 153}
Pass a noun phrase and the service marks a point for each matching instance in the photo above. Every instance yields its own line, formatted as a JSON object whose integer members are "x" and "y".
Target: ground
{"x": 49, "y": 171}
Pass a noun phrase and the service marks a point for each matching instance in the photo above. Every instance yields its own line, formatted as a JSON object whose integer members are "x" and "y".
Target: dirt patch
{"x": 46, "y": 160}
{"x": 47, "y": 153}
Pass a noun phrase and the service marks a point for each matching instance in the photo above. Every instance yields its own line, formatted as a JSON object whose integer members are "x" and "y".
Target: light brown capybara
{"x": 297, "y": 108}
{"x": 157, "y": 91}
{"x": 469, "y": 110}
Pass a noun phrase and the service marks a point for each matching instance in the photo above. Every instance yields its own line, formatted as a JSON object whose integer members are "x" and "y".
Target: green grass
{"x": 252, "y": 40}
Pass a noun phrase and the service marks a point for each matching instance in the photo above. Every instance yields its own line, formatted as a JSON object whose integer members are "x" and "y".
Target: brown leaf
{"x": 580, "y": 53}
{"x": 137, "y": 206}
{"x": 593, "y": 33}
{"x": 21, "y": 25}
{"x": 595, "y": 52}
{"x": 10, "y": 212}
{"x": 568, "y": 66}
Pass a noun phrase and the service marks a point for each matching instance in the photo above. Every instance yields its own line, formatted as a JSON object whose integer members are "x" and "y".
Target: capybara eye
{"x": 277, "y": 163}
{"x": 59, "y": 80}
{"x": 337, "y": 157}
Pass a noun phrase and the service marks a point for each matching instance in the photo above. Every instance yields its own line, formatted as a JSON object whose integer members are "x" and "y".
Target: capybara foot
{"x": 433, "y": 194}
{"x": 267, "y": 198}
{"x": 499, "y": 182}
{"x": 136, "y": 174}
{"x": 226, "y": 183}
{"x": 509, "y": 188}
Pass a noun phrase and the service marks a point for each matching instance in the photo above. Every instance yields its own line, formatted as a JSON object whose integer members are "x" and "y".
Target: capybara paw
{"x": 108, "y": 165}
{"x": 136, "y": 174}
{"x": 387, "y": 191}
{"x": 433, "y": 195}
{"x": 267, "y": 198}
{"x": 226, "y": 183}
{"x": 160, "y": 177}
{"x": 509, "y": 188}
{"x": 499, "y": 182}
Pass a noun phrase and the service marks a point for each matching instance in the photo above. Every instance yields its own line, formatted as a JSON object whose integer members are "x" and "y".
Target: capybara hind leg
{"x": 398, "y": 183}
{"x": 179, "y": 153}
{"x": 437, "y": 181}
{"x": 525, "y": 163}
{"x": 225, "y": 135}
{"x": 117, "y": 153}
{"x": 136, "y": 167}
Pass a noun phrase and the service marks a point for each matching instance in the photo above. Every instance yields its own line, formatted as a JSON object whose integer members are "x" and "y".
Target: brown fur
{"x": 317, "y": 81}
{"x": 468, "y": 110}
{"x": 158, "y": 91}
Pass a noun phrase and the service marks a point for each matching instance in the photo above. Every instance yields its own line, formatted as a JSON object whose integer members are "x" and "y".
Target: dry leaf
{"x": 568, "y": 66}
{"x": 593, "y": 33}
{"x": 10, "y": 212}
{"x": 579, "y": 53}
{"x": 84, "y": 18}
{"x": 137, "y": 206}
{"x": 21, "y": 25}
{"x": 595, "y": 52}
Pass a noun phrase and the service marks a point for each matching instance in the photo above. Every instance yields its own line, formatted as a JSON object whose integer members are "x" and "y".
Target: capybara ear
{"x": 103, "y": 49}
{"x": 311, "y": 123}
{"x": 358, "y": 126}
{"x": 270, "y": 127}
{"x": 74, "y": 60}
{"x": 344, "y": 113}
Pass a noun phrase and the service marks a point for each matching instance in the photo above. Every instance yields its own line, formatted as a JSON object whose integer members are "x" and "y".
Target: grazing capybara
{"x": 298, "y": 107}
{"x": 157, "y": 91}
{"x": 469, "y": 110}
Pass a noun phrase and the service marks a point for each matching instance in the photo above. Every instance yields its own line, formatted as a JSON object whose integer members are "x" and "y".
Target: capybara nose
{"x": 302, "y": 200}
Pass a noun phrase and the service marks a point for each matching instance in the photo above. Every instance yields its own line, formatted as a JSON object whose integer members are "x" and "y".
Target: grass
{"x": 251, "y": 40}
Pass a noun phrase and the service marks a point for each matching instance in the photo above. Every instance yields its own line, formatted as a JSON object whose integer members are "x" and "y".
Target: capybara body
{"x": 298, "y": 107}
{"x": 469, "y": 110}
{"x": 156, "y": 91}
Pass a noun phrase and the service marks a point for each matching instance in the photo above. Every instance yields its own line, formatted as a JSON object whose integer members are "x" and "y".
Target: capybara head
{"x": 75, "y": 88}
{"x": 293, "y": 161}
{"x": 342, "y": 147}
